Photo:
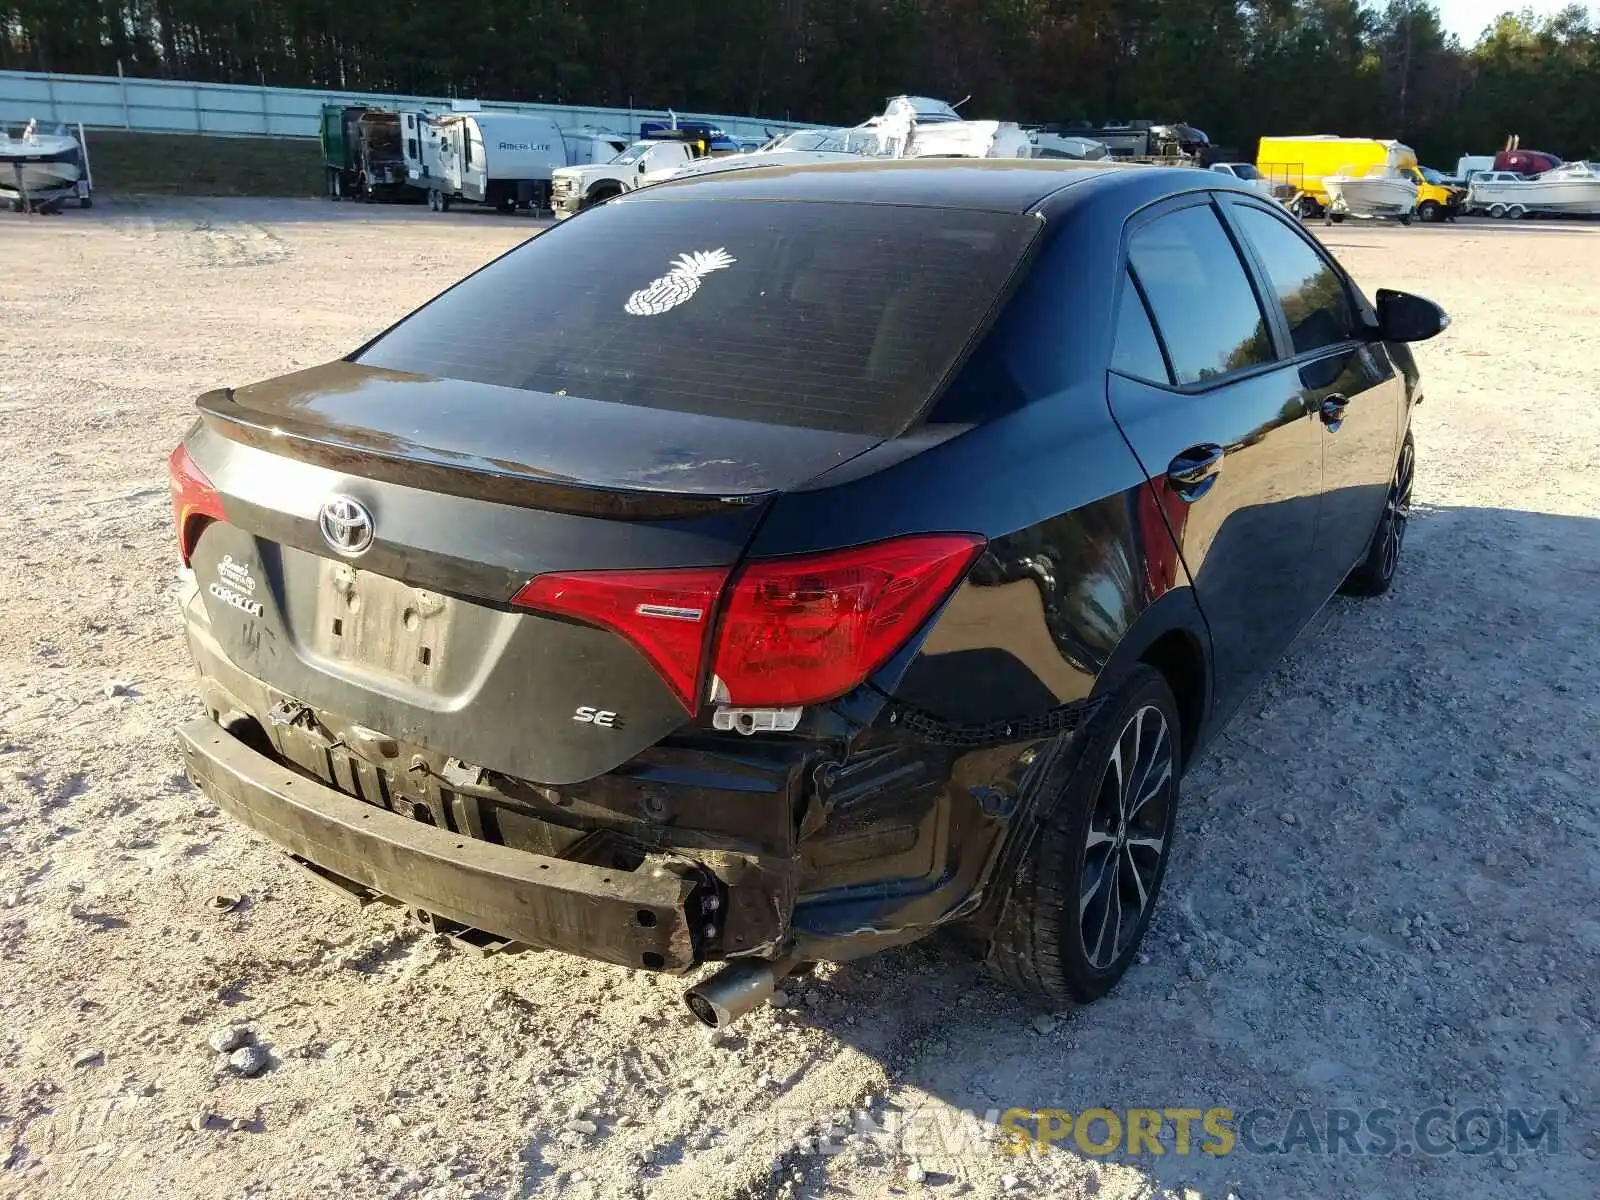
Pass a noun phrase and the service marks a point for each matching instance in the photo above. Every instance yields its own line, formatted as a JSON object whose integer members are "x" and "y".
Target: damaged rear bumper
{"x": 707, "y": 847}
{"x": 636, "y": 918}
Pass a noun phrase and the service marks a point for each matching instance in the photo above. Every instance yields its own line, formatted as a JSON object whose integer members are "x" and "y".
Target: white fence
{"x": 242, "y": 110}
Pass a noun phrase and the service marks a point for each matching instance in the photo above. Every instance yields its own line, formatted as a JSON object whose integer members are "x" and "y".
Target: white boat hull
{"x": 38, "y": 177}
{"x": 1570, "y": 197}
{"x": 1369, "y": 197}
{"x": 42, "y": 165}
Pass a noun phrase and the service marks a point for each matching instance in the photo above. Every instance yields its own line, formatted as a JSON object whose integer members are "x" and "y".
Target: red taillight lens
{"x": 666, "y": 614}
{"x": 195, "y": 503}
{"x": 805, "y": 629}
{"x": 793, "y": 631}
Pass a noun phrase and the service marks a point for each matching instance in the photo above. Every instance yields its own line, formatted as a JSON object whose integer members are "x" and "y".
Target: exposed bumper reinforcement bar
{"x": 634, "y": 918}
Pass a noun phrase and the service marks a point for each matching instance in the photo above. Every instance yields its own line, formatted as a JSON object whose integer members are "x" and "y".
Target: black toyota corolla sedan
{"x": 789, "y": 563}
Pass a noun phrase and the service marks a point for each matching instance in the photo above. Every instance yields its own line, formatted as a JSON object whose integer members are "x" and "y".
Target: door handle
{"x": 1193, "y": 472}
{"x": 1332, "y": 410}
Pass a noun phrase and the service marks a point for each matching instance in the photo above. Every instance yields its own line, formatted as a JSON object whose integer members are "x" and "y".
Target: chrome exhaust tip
{"x": 740, "y": 986}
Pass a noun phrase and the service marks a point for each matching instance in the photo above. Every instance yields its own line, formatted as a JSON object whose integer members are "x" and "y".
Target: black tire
{"x": 506, "y": 205}
{"x": 1429, "y": 211}
{"x": 1050, "y": 943}
{"x": 1405, "y": 218}
{"x": 86, "y": 202}
{"x": 601, "y": 194}
{"x": 1375, "y": 573}
{"x": 444, "y": 202}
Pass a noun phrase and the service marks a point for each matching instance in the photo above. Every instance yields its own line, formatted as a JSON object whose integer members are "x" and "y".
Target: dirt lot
{"x": 1386, "y": 896}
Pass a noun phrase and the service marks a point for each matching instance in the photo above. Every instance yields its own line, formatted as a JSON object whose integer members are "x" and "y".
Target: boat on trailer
{"x": 1379, "y": 190}
{"x": 40, "y": 171}
{"x": 909, "y": 127}
{"x": 1572, "y": 189}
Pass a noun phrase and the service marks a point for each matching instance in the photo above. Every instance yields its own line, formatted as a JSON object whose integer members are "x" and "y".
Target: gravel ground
{"x": 1385, "y": 895}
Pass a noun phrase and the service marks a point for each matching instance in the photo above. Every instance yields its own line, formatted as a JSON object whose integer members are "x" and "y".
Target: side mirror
{"x": 643, "y": 167}
{"x": 1403, "y": 317}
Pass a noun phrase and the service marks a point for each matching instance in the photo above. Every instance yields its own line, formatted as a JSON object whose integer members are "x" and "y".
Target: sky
{"x": 1467, "y": 19}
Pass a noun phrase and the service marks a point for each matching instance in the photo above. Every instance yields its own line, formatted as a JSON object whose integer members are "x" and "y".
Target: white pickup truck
{"x": 574, "y": 189}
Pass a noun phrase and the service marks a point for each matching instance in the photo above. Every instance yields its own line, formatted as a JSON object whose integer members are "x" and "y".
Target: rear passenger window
{"x": 1137, "y": 353}
{"x": 1309, "y": 288}
{"x": 1200, "y": 296}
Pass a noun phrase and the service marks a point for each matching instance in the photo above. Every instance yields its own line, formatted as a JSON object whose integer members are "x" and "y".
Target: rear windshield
{"x": 822, "y": 315}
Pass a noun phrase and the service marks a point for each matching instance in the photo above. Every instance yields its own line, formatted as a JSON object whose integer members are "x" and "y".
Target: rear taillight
{"x": 800, "y": 630}
{"x": 666, "y": 614}
{"x": 793, "y": 631}
{"x": 195, "y": 503}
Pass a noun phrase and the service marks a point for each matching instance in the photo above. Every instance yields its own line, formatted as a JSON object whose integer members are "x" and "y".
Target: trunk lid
{"x": 563, "y": 442}
{"x": 470, "y": 491}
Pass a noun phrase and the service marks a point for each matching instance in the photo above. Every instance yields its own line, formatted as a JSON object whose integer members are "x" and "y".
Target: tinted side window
{"x": 1136, "y": 352}
{"x": 1200, "y": 295}
{"x": 1312, "y": 294}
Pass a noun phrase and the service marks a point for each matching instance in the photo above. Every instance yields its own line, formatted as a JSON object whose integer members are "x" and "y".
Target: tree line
{"x": 1236, "y": 68}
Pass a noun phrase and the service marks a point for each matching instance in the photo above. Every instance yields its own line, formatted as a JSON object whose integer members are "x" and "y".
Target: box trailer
{"x": 1296, "y": 167}
{"x": 362, "y": 157}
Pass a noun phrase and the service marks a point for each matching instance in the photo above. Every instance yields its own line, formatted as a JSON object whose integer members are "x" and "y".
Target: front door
{"x": 450, "y": 155}
{"x": 1346, "y": 380}
{"x": 1219, "y": 424}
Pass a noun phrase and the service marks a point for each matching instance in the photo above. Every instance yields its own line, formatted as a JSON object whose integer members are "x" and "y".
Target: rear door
{"x": 1217, "y": 419}
{"x": 1345, "y": 379}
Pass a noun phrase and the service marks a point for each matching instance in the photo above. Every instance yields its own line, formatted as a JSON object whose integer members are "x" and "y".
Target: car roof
{"x": 1018, "y": 185}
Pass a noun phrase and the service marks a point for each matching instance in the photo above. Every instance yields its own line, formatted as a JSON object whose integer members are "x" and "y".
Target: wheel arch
{"x": 1170, "y": 636}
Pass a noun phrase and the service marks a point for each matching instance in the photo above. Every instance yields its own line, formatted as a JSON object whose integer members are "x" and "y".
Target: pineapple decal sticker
{"x": 680, "y": 284}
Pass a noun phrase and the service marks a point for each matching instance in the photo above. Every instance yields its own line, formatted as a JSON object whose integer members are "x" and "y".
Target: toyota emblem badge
{"x": 346, "y": 526}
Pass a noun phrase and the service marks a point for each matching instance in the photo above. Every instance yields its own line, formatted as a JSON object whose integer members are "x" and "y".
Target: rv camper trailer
{"x": 502, "y": 159}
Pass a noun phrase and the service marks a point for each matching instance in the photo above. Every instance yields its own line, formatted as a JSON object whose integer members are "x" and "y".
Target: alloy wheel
{"x": 1398, "y": 511}
{"x": 1127, "y": 837}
